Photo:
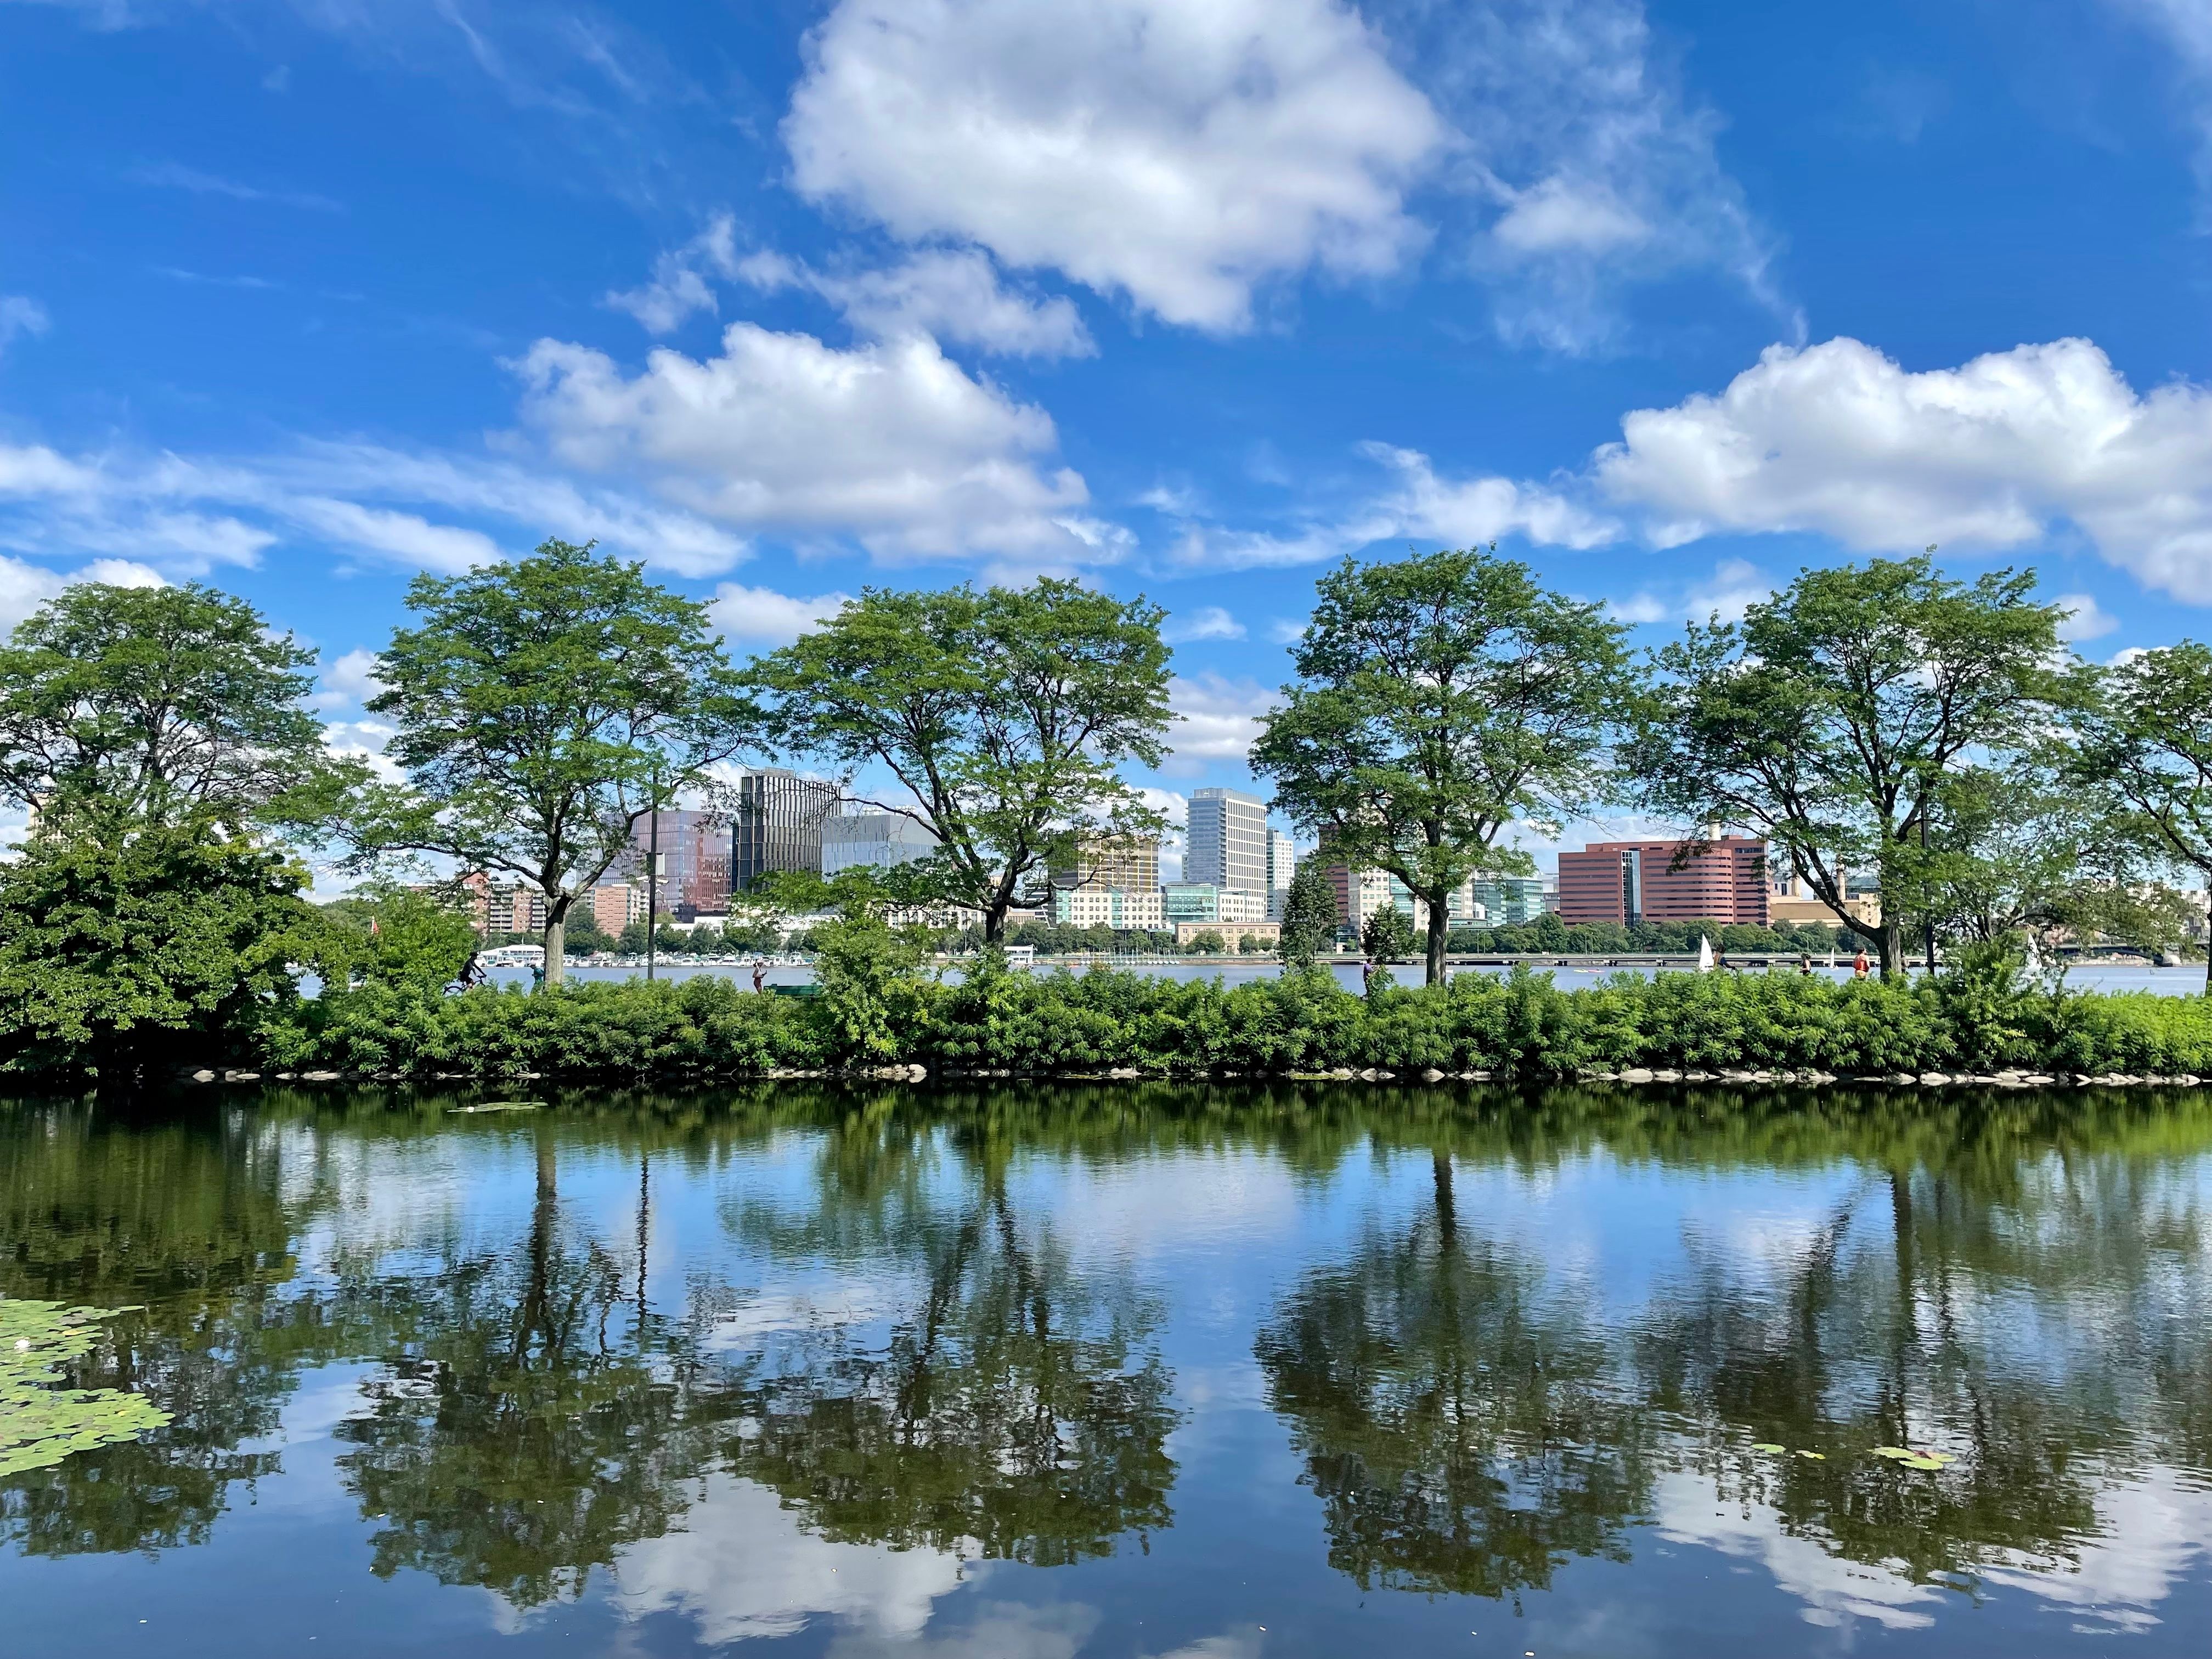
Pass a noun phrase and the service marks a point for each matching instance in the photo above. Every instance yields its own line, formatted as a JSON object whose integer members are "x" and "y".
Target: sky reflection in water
{"x": 1147, "y": 1371}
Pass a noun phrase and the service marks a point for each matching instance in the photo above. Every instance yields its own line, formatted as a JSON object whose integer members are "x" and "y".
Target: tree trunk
{"x": 1439, "y": 939}
{"x": 557, "y": 928}
{"x": 994, "y": 924}
{"x": 1893, "y": 947}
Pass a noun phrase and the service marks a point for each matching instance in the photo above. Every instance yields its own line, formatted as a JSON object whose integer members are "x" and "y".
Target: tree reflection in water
{"x": 184, "y": 1219}
{"x": 1459, "y": 1415}
{"x": 2019, "y": 1281}
{"x": 1471, "y": 1419}
{"x": 1018, "y": 1411}
{"x": 530, "y": 1425}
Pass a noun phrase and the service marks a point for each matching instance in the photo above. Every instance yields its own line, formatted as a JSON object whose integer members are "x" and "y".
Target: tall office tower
{"x": 1282, "y": 865}
{"x": 694, "y": 859}
{"x": 778, "y": 824}
{"x": 1228, "y": 842}
{"x": 1127, "y": 864}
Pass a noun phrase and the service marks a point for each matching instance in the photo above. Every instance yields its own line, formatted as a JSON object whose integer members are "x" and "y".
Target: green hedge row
{"x": 1976, "y": 1020}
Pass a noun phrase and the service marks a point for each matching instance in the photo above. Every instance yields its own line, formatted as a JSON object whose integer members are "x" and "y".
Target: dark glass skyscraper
{"x": 777, "y": 825}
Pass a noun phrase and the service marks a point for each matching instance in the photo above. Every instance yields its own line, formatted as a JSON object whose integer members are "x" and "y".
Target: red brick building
{"x": 1624, "y": 881}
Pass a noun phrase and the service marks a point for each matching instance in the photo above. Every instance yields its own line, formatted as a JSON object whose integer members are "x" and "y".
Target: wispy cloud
{"x": 20, "y": 314}
{"x": 174, "y": 175}
{"x": 1208, "y": 622}
{"x": 179, "y": 274}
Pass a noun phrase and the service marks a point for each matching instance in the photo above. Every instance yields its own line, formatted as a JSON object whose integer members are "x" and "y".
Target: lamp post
{"x": 652, "y": 883}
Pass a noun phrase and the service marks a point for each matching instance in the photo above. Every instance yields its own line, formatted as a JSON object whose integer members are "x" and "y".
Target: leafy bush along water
{"x": 1980, "y": 1017}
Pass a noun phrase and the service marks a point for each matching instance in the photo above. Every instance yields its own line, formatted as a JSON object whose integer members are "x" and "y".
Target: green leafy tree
{"x": 159, "y": 736}
{"x": 2025, "y": 851}
{"x": 1440, "y": 699}
{"x": 1389, "y": 935}
{"x": 132, "y": 708}
{"x": 390, "y": 934}
{"x": 1310, "y": 918}
{"x": 584, "y": 935}
{"x": 128, "y": 957}
{"x": 2148, "y": 738}
{"x": 1004, "y": 715}
{"x": 543, "y": 707}
{"x": 1828, "y": 719}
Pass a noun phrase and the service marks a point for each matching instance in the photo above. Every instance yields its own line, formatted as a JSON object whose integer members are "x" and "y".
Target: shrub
{"x": 879, "y": 1006}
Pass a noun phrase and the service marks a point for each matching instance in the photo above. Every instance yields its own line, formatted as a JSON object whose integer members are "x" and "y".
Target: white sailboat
{"x": 1704, "y": 954}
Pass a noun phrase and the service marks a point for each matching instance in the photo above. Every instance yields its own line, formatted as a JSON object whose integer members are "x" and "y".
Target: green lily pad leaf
{"x": 1898, "y": 1452}
{"x": 1818, "y": 1458}
{"x": 40, "y": 1422}
{"x": 1765, "y": 1446}
{"x": 1920, "y": 1462}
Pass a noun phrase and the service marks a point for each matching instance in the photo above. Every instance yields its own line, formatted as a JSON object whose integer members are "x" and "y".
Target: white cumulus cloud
{"x": 680, "y": 284}
{"x": 762, "y": 616}
{"x": 25, "y": 586}
{"x": 351, "y": 679}
{"x": 945, "y": 293}
{"x": 1181, "y": 155}
{"x": 891, "y": 443}
{"x": 1736, "y": 586}
{"x": 1208, "y": 622}
{"x": 1415, "y": 501}
{"x": 1217, "y": 719}
{"x": 2085, "y": 619}
{"x": 1839, "y": 440}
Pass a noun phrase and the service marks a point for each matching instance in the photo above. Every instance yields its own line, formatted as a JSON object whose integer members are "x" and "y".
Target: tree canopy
{"x": 1309, "y": 919}
{"x": 1002, "y": 716}
{"x": 1827, "y": 719}
{"x": 2148, "y": 738}
{"x": 1440, "y": 699}
{"x": 542, "y": 707}
{"x": 123, "y": 708}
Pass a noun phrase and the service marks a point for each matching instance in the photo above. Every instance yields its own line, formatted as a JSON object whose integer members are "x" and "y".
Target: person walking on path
{"x": 760, "y": 976}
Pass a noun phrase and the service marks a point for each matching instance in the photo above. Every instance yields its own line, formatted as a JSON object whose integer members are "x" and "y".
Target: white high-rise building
{"x": 1282, "y": 865}
{"x": 1228, "y": 841}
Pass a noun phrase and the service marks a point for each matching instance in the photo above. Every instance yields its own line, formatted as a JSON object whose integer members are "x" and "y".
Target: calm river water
{"x": 1214, "y": 1373}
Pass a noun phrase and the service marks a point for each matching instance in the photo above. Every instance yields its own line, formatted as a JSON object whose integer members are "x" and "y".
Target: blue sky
{"x": 1188, "y": 297}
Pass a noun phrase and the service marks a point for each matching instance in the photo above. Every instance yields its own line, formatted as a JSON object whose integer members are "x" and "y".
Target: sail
{"x": 1704, "y": 954}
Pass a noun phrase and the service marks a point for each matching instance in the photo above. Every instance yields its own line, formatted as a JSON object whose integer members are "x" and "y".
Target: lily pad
{"x": 1897, "y": 1452}
{"x": 1765, "y": 1446}
{"x": 1921, "y": 1462}
{"x": 1818, "y": 1458}
{"x": 40, "y": 1423}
